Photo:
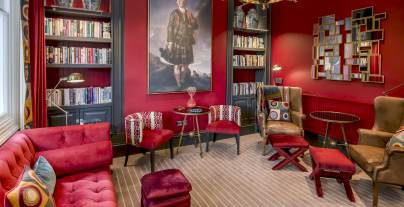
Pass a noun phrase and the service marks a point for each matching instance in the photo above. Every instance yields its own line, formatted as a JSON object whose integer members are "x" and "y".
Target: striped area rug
{"x": 221, "y": 178}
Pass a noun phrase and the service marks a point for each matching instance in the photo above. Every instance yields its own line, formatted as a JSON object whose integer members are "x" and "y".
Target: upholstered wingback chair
{"x": 293, "y": 95}
{"x": 381, "y": 163}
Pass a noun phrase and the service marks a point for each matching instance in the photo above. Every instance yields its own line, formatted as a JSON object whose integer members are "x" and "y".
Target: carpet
{"x": 221, "y": 178}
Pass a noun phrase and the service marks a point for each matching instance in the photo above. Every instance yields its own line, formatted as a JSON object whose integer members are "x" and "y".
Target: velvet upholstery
{"x": 152, "y": 139}
{"x": 165, "y": 188}
{"x": 287, "y": 141}
{"x": 88, "y": 145}
{"x": 331, "y": 159}
{"x": 224, "y": 126}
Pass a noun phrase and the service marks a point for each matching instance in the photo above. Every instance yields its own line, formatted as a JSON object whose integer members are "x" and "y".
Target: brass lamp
{"x": 275, "y": 69}
{"x": 72, "y": 78}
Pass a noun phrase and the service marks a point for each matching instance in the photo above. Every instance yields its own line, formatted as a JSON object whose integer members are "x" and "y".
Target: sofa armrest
{"x": 79, "y": 158}
{"x": 262, "y": 122}
{"x": 390, "y": 171}
{"x": 373, "y": 137}
{"x": 297, "y": 118}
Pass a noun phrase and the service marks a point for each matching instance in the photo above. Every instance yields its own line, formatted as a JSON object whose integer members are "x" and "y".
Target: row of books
{"x": 78, "y": 55}
{"x": 248, "y": 60}
{"x": 248, "y": 88}
{"x": 80, "y": 96}
{"x": 248, "y": 41}
{"x": 77, "y": 28}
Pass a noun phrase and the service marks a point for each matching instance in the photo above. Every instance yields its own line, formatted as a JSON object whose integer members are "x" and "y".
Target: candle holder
{"x": 191, "y": 92}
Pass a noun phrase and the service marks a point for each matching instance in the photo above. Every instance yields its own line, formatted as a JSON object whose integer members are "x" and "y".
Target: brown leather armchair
{"x": 382, "y": 164}
{"x": 265, "y": 127}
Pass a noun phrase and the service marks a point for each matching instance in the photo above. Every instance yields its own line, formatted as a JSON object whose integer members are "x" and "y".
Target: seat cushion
{"x": 152, "y": 139}
{"x": 179, "y": 201}
{"x": 223, "y": 126}
{"x": 331, "y": 159}
{"x": 367, "y": 156}
{"x": 283, "y": 127}
{"x": 164, "y": 184}
{"x": 287, "y": 141}
{"x": 89, "y": 189}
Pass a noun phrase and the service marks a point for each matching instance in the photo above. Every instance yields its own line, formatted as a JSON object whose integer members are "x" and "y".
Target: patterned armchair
{"x": 224, "y": 119}
{"x": 144, "y": 130}
{"x": 292, "y": 95}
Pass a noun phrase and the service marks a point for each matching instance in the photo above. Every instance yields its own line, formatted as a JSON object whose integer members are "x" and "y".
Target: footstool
{"x": 165, "y": 188}
{"x": 290, "y": 147}
{"x": 331, "y": 163}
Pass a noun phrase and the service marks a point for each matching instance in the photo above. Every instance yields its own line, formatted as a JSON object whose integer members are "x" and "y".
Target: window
{"x": 10, "y": 67}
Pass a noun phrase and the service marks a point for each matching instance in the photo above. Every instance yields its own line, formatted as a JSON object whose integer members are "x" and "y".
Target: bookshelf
{"x": 248, "y": 58}
{"x": 90, "y": 43}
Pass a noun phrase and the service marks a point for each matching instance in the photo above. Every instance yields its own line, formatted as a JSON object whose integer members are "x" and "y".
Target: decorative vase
{"x": 93, "y": 5}
{"x": 64, "y": 3}
{"x": 252, "y": 18}
{"x": 239, "y": 17}
{"x": 191, "y": 92}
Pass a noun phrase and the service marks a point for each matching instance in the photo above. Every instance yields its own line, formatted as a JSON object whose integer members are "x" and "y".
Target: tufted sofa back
{"x": 16, "y": 153}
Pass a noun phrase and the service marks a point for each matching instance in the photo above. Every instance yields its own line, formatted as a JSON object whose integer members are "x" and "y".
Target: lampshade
{"x": 276, "y": 68}
{"x": 75, "y": 78}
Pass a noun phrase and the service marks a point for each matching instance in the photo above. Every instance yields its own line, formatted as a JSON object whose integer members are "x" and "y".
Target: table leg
{"x": 199, "y": 136}
{"x": 345, "y": 141}
{"x": 326, "y": 134}
{"x": 182, "y": 133}
{"x": 194, "y": 131}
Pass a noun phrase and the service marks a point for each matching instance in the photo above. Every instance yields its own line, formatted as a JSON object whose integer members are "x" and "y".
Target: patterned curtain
{"x": 28, "y": 118}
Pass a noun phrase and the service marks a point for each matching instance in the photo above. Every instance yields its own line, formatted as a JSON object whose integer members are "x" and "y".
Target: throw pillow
{"x": 29, "y": 191}
{"x": 46, "y": 173}
{"x": 278, "y": 111}
{"x": 397, "y": 140}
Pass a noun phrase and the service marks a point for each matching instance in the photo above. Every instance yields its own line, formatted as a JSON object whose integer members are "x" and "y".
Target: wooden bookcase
{"x": 109, "y": 74}
{"x": 252, "y": 74}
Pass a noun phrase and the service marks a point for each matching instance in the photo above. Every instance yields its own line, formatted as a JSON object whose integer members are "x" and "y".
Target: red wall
{"x": 135, "y": 81}
{"x": 292, "y": 40}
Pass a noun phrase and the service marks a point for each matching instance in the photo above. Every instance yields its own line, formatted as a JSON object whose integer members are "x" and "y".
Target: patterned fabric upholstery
{"x": 225, "y": 112}
{"x": 269, "y": 92}
{"x": 279, "y": 110}
{"x": 397, "y": 140}
{"x": 136, "y": 123}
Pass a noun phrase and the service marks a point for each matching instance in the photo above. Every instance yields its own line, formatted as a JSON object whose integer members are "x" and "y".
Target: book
{"x": 78, "y": 55}
{"x": 80, "y": 96}
{"x": 77, "y": 28}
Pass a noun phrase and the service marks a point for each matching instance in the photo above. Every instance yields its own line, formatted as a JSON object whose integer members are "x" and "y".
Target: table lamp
{"x": 72, "y": 78}
{"x": 275, "y": 69}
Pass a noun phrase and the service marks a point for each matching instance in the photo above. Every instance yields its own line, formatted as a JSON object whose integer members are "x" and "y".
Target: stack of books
{"x": 248, "y": 88}
{"x": 80, "y": 96}
{"x": 248, "y": 60}
{"x": 78, "y": 55}
{"x": 248, "y": 42}
{"x": 77, "y": 28}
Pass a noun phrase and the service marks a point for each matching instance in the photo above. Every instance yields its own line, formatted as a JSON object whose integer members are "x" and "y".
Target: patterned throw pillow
{"x": 30, "y": 191}
{"x": 46, "y": 173}
{"x": 397, "y": 140}
{"x": 278, "y": 111}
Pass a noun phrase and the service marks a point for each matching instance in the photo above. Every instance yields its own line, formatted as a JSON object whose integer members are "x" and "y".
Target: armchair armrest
{"x": 373, "y": 137}
{"x": 390, "y": 171}
{"x": 262, "y": 122}
{"x": 297, "y": 118}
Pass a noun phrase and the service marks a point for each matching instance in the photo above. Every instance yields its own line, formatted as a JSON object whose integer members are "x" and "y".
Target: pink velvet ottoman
{"x": 165, "y": 188}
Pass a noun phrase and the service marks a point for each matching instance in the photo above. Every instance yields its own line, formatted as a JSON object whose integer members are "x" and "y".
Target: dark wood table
{"x": 334, "y": 117}
{"x": 193, "y": 112}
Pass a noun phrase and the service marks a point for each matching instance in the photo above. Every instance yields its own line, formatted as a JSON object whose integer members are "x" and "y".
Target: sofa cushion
{"x": 367, "y": 156}
{"x": 90, "y": 189}
{"x": 278, "y": 110}
{"x": 154, "y": 138}
{"x": 45, "y": 172}
{"x": 29, "y": 191}
{"x": 224, "y": 126}
{"x": 283, "y": 127}
{"x": 79, "y": 158}
{"x": 15, "y": 154}
{"x": 397, "y": 140}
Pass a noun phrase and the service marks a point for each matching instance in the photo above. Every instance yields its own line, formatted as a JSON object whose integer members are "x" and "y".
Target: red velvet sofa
{"x": 80, "y": 155}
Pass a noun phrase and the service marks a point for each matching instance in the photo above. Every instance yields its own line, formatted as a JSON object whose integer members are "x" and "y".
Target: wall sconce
{"x": 275, "y": 69}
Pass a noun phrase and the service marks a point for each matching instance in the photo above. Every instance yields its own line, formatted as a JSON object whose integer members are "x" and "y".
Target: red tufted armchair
{"x": 144, "y": 130}
{"x": 80, "y": 156}
{"x": 224, "y": 119}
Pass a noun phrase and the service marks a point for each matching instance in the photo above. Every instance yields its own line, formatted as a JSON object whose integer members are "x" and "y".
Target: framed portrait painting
{"x": 180, "y": 45}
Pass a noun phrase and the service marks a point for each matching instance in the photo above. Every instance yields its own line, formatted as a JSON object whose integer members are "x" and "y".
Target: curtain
{"x": 26, "y": 54}
{"x": 37, "y": 62}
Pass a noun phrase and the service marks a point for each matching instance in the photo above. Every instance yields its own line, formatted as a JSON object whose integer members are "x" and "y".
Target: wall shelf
{"x": 78, "y": 39}
{"x": 249, "y": 67}
{"x": 74, "y": 66}
{"x": 76, "y": 13}
{"x": 85, "y": 106}
{"x": 249, "y": 49}
{"x": 251, "y": 30}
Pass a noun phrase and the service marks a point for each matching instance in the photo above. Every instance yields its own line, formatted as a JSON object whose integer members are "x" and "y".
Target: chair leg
{"x": 214, "y": 137}
{"x": 171, "y": 149}
{"x": 375, "y": 194}
{"x": 317, "y": 181}
{"x": 207, "y": 141}
{"x": 238, "y": 143}
{"x": 127, "y": 154}
{"x": 152, "y": 160}
{"x": 348, "y": 188}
